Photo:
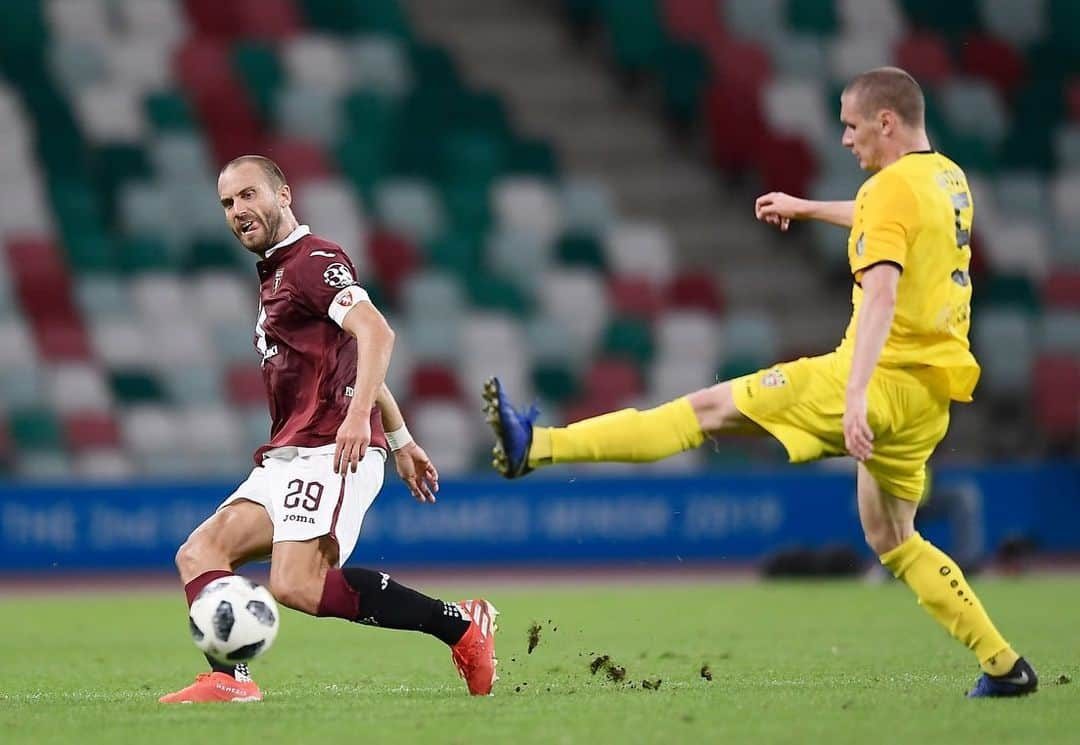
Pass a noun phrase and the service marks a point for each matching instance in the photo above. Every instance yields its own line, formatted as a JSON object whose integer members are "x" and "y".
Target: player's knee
{"x": 188, "y": 558}
{"x": 196, "y": 555}
{"x": 298, "y": 593}
{"x": 883, "y": 539}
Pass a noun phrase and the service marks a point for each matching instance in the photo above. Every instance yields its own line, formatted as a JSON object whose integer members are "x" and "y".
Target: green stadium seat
{"x": 683, "y": 71}
{"x": 472, "y": 156}
{"x": 456, "y": 253}
{"x": 77, "y": 208}
{"x": 113, "y": 166}
{"x": 534, "y": 157}
{"x": 629, "y": 339}
{"x": 23, "y": 33}
{"x": 35, "y": 429}
{"x": 1018, "y": 22}
{"x": 816, "y": 17}
{"x": 135, "y": 386}
{"x": 489, "y": 292}
{"x": 555, "y": 383}
{"x": 258, "y": 66}
{"x": 168, "y": 111}
{"x": 635, "y": 31}
{"x": 144, "y": 254}
{"x": 580, "y": 250}
{"x": 952, "y": 18}
{"x": 1000, "y": 291}
{"x": 468, "y": 207}
{"x": 91, "y": 251}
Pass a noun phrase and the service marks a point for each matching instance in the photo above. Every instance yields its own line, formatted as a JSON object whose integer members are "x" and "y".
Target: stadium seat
{"x": 518, "y": 254}
{"x": 629, "y": 339}
{"x": 218, "y": 430}
{"x": 551, "y": 343}
{"x": 120, "y": 343}
{"x": 852, "y": 54}
{"x": 1060, "y": 333}
{"x": 244, "y": 384}
{"x": 77, "y": 387}
{"x": 755, "y": 20}
{"x": 43, "y": 465}
{"x": 635, "y": 32}
{"x": 612, "y": 383}
{"x": 640, "y": 249}
{"x": 587, "y": 206}
{"x": 1057, "y": 396}
{"x": 16, "y": 344}
{"x": 193, "y": 384}
{"x": 1020, "y": 247}
{"x": 671, "y": 378}
{"x": 87, "y": 20}
{"x": 690, "y": 336}
{"x": 494, "y": 344}
{"x": 750, "y": 339}
{"x": 925, "y": 55}
{"x": 317, "y": 61}
{"x": 694, "y": 290}
{"x": 21, "y": 383}
{"x": 309, "y": 114}
{"x": 800, "y": 58}
{"x": 1019, "y": 23}
{"x": 378, "y": 64}
{"x": 91, "y": 430}
{"x": 34, "y": 429}
{"x": 635, "y": 297}
{"x": 432, "y": 380}
{"x": 1003, "y": 341}
{"x": 973, "y": 107}
{"x": 393, "y": 260}
{"x": 527, "y": 204}
{"x": 447, "y": 431}
{"x": 103, "y": 464}
{"x": 410, "y": 207}
{"x": 691, "y": 20}
{"x": 1062, "y": 290}
{"x": 993, "y": 59}
{"x": 816, "y": 17}
{"x": 77, "y": 64}
{"x": 576, "y": 299}
{"x": 1018, "y": 194}
{"x": 434, "y": 338}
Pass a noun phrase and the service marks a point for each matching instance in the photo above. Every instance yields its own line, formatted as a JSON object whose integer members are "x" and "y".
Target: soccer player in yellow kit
{"x": 882, "y": 396}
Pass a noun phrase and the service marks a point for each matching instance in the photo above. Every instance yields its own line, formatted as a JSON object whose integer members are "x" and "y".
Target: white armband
{"x": 345, "y": 300}
{"x": 398, "y": 439}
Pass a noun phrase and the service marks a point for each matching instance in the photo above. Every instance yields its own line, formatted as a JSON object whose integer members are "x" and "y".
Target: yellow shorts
{"x": 801, "y": 404}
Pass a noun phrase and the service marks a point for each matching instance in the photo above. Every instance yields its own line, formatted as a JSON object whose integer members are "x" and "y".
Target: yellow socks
{"x": 628, "y": 435}
{"x": 941, "y": 588}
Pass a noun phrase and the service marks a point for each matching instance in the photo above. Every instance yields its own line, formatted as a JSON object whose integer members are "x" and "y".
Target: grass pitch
{"x": 790, "y": 663}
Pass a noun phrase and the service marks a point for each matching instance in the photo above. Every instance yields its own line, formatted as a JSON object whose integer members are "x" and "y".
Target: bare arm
{"x": 374, "y": 343}
{"x": 778, "y": 208}
{"x": 879, "y": 284}
{"x": 412, "y": 463}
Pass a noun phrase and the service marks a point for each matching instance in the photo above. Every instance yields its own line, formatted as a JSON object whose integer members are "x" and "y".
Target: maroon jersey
{"x": 308, "y": 360}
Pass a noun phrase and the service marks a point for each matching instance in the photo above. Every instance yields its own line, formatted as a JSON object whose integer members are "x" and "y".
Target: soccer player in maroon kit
{"x": 325, "y": 350}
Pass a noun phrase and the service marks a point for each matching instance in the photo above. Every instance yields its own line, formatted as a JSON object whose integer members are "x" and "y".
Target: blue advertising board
{"x": 544, "y": 519}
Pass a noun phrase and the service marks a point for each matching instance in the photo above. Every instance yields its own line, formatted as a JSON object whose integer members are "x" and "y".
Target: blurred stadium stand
{"x": 557, "y": 192}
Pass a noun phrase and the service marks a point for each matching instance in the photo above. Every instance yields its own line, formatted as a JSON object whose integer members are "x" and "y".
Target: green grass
{"x": 792, "y": 663}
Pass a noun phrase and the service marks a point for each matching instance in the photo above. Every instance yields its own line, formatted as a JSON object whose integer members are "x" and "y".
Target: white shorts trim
{"x": 305, "y": 499}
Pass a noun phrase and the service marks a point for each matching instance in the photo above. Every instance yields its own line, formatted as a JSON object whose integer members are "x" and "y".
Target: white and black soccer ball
{"x": 234, "y": 620}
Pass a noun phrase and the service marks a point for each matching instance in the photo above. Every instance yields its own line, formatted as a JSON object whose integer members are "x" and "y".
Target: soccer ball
{"x": 234, "y": 620}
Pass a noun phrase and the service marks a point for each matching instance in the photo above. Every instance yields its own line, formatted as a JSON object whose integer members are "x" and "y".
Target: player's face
{"x": 862, "y": 134}
{"x": 254, "y": 210}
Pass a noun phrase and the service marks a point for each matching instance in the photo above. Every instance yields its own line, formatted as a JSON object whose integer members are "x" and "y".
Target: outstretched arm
{"x": 413, "y": 464}
{"x": 876, "y": 311}
{"x": 374, "y": 343}
{"x": 778, "y": 208}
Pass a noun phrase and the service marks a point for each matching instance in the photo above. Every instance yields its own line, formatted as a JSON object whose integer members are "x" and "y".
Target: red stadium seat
{"x": 1062, "y": 290}
{"x": 740, "y": 63}
{"x": 926, "y": 56}
{"x": 203, "y": 64}
{"x": 613, "y": 381}
{"x": 301, "y": 161}
{"x": 1072, "y": 99}
{"x": 994, "y": 59}
{"x": 735, "y": 125}
{"x": 1057, "y": 396}
{"x": 393, "y": 258}
{"x": 244, "y": 383}
{"x": 34, "y": 258}
{"x": 636, "y": 297}
{"x": 90, "y": 430}
{"x": 786, "y": 163}
{"x": 431, "y": 380}
{"x": 694, "y": 290}
{"x": 243, "y": 19}
{"x": 691, "y": 20}
{"x": 61, "y": 338}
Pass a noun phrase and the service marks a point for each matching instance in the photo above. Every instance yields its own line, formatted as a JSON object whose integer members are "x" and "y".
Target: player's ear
{"x": 285, "y": 196}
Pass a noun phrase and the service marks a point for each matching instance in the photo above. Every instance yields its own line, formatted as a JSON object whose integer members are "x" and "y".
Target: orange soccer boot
{"x": 474, "y": 654}
{"x": 215, "y": 687}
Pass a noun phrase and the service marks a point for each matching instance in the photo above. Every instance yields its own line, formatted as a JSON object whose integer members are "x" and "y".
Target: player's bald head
{"x": 889, "y": 88}
{"x": 274, "y": 175}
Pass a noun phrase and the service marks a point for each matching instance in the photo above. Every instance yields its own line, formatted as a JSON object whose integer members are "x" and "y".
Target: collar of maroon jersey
{"x": 291, "y": 238}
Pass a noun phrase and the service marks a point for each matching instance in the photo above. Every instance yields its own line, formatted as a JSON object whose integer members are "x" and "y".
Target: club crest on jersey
{"x": 860, "y": 245}
{"x": 337, "y": 275}
{"x": 277, "y": 279}
{"x": 773, "y": 379}
{"x": 345, "y": 299}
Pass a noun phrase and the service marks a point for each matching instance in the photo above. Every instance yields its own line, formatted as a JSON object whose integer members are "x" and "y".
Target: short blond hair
{"x": 890, "y": 88}
{"x": 270, "y": 168}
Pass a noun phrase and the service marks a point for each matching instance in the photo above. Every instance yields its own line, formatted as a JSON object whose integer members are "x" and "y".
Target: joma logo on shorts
{"x": 299, "y": 519}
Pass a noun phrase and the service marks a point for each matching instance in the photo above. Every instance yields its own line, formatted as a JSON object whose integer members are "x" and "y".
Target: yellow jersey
{"x": 917, "y": 213}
